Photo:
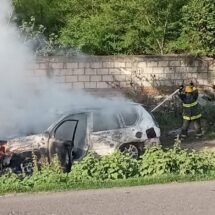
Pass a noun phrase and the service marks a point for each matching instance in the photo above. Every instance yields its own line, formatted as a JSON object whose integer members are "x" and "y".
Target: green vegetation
{"x": 157, "y": 165}
{"x": 106, "y": 27}
{"x": 198, "y": 32}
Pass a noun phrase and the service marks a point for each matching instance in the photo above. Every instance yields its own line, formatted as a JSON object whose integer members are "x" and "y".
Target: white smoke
{"x": 14, "y": 57}
{"x": 27, "y": 106}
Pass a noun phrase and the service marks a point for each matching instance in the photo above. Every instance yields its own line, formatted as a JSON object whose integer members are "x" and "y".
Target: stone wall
{"x": 106, "y": 72}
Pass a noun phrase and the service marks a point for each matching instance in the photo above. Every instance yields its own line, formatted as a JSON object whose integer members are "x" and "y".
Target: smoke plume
{"x": 26, "y": 105}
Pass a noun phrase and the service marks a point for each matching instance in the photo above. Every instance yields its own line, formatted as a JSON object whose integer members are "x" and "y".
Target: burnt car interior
{"x": 69, "y": 140}
{"x": 62, "y": 142}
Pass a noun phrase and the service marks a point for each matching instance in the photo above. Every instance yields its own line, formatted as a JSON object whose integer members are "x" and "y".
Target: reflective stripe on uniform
{"x": 192, "y": 117}
{"x": 190, "y": 105}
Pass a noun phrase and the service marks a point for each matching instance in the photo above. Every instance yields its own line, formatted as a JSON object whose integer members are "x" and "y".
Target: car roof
{"x": 81, "y": 109}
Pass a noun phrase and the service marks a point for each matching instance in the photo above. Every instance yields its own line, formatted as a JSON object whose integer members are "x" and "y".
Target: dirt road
{"x": 173, "y": 199}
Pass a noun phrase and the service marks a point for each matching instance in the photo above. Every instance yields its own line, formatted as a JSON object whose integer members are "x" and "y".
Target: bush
{"x": 9, "y": 182}
{"x": 85, "y": 169}
{"x": 114, "y": 166}
{"x": 156, "y": 162}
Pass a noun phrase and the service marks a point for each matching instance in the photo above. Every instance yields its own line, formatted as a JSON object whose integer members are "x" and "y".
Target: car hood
{"x": 30, "y": 143}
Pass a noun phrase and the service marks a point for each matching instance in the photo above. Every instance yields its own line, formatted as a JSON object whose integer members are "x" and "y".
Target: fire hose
{"x": 170, "y": 96}
{"x": 166, "y": 99}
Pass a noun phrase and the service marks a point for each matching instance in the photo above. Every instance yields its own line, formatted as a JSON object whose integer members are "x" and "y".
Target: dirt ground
{"x": 199, "y": 145}
{"x": 191, "y": 144}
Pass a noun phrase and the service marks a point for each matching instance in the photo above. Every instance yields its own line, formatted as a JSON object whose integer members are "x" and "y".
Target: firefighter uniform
{"x": 191, "y": 110}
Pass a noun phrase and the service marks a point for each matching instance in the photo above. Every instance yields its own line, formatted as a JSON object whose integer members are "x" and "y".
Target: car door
{"x": 71, "y": 133}
{"x": 107, "y": 131}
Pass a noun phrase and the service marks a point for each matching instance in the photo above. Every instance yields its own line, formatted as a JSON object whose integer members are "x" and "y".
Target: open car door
{"x": 69, "y": 139}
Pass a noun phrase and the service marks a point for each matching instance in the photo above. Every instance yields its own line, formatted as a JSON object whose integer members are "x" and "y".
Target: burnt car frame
{"x": 101, "y": 130}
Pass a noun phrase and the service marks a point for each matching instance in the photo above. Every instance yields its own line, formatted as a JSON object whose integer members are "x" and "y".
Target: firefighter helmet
{"x": 188, "y": 89}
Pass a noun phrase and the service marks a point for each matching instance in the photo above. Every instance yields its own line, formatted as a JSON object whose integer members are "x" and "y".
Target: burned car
{"x": 101, "y": 130}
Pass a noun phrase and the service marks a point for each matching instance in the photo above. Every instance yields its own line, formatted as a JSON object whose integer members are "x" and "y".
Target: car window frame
{"x": 135, "y": 123}
{"x": 119, "y": 121}
{"x": 61, "y": 123}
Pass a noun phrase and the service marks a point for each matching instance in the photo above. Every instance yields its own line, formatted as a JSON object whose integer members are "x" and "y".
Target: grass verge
{"x": 140, "y": 181}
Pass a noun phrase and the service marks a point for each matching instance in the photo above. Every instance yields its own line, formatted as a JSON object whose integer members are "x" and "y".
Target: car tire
{"x": 133, "y": 149}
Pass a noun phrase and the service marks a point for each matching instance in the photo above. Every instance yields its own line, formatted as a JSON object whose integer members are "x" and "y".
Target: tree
{"x": 126, "y": 27}
{"x": 198, "y": 34}
{"x": 105, "y": 27}
{"x": 161, "y": 20}
{"x": 46, "y": 13}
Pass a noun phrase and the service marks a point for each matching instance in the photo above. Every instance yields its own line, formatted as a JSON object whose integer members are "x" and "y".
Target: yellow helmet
{"x": 188, "y": 89}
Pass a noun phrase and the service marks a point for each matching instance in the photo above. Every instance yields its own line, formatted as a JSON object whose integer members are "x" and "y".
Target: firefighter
{"x": 191, "y": 110}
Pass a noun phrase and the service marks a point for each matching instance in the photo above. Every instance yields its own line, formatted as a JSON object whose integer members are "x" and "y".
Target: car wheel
{"x": 131, "y": 149}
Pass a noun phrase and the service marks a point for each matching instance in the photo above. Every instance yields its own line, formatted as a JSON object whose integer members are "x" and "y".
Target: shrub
{"x": 114, "y": 166}
{"x": 158, "y": 161}
{"x": 85, "y": 169}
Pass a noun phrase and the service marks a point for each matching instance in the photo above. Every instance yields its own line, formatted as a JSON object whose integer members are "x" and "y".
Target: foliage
{"x": 50, "y": 174}
{"x": 155, "y": 163}
{"x": 128, "y": 27}
{"x": 8, "y": 182}
{"x": 46, "y": 13}
{"x": 168, "y": 121}
{"x": 161, "y": 22}
{"x": 125, "y": 27}
{"x": 198, "y": 28}
{"x": 115, "y": 166}
{"x": 209, "y": 114}
{"x": 85, "y": 169}
{"x": 33, "y": 36}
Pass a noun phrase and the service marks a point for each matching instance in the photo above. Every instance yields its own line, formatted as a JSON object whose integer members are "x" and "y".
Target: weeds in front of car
{"x": 157, "y": 165}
